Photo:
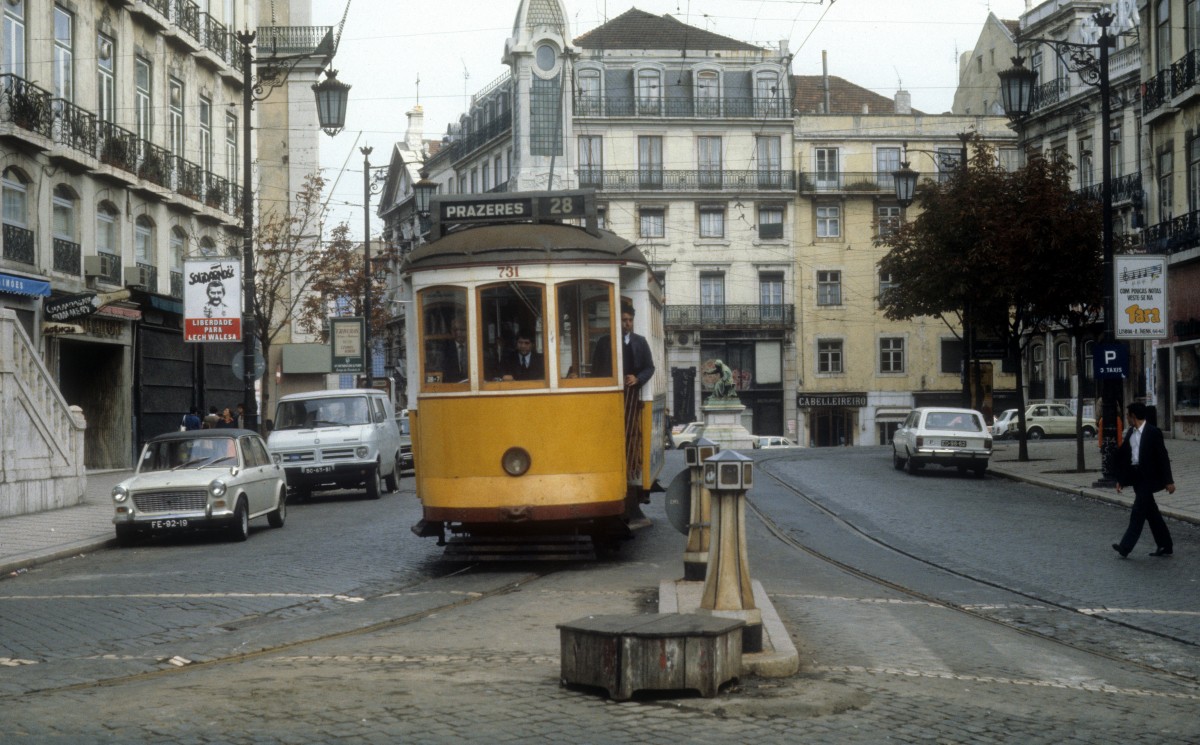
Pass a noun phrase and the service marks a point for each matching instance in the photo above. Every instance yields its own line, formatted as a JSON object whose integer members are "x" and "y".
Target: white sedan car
{"x": 772, "y": 442}
{"x": 200, "y": 479}
{"x": 945, "y": 437}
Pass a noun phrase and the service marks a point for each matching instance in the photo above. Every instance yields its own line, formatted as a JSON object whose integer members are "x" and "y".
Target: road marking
{"x": 1142, "y": 611}
{"x": 535, "y": 659}
{"x": 15, "y": 662}
{"x": 1064, "y": 684}
{"x": 191, "y": 596}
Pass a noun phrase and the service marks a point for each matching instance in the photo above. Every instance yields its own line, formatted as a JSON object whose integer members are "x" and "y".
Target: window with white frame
{"x": 1193, "y": 156}
{"x": 888, "y": 217}
{"x": 949, "y": 160}
{"x": 106, "y": 85}
{"x": 829, "y": 356}
{"x": 1009, "y": 159}
{"x": 1084, "y": 164}
{"x": 650, "y": 161}
{"x": 829, "y": 221}
{"x": 770, "y": 165}
{"x": 206, "y": 138}
{"x": 64, "y": 54}
{"x": 143, "y": 240}
{"x": 1062, "y": 361}
{"x": 588, "y": 102}
{"x": 16, "y": 198}
{"x": 829, "y": 287}
{"x": 708, "y": 93}
{"x": 770, "y": 222}
{"x": 885, "y": 282}
{"x": 64, "y": 214}
{"x": 106, "y": 229}
{"x": 143, "y": 105}
{"x": 232, "y": 162}
{"x": 1116, "y": 156}
{"x": 825, "y": 167}
{"x": 602, "y": 217}
{"x": 13, "y": 47}
{"x": 1166, "y": 189}
{"x": 708, "y": 158}
{"x": 891, "y": 354}
{"x": 770, "y": 295}
{"x": 175, "y": 115}
{"x": 178, "y": 247}
{"x": 767, "y": 95}
{"x": 485, "y": 176}
{"x": 591, "y": 161}
{"x": 1162, "y": 34}
{"x": 652, "y": 222}
{"x": 712, "y": 297}
{"x": 712, "y": 221}
{"x": 887, "y": 162}
{"x": 649, "y": 92}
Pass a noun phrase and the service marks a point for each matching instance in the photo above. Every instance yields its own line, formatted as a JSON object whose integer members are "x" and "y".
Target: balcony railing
{"x": 110, "y": 268}
{"x": 216, "y": 38}
{"x": 1183, "y": 72}
{"x": 649, "y": 179}
{"x": 1124, "y": 188}
{"x": 847, "y": 181}
{"x": 26, "y": 105}
{"x": 696, "y": 317}
{"x": 1050, "y": 93}
{"x": 19, "y": 244}
{"x": 156, "y": 164}
{"x": 472, "y": 141}
{"x": 274, "y": 41}
{"x": 216, "y": 192}
{"x": 74, "y": 127}
{"x": 189, "y": 178}
{"x": 682, "y": 107}
{"x": 1156, "y": 91}
{"x": 162, "y": 7}
{"x": 186, "y": 15}
{"x": 118, "y": 147}
{"x": 176, "y": 284}
{"x": 67, "y": 256}
{"x": 1174, "y": 235}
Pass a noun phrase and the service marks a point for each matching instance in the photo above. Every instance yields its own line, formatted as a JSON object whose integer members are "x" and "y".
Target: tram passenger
{"x": 524, "y": 363}
{"x": 638, "y": 359}
{"x": 455, "y": 357}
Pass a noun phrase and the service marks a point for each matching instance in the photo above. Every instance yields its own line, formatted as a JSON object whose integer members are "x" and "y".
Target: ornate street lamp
{"x": 905, "y": 180}
{"x": 331, "y": 112}
{"x": 1090, "y": 62}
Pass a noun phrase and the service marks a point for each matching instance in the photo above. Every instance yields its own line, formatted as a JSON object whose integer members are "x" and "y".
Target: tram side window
{"x": 513, "y": 335}
{"x": 444, "y": 336}
{"x": 585, "y": 330}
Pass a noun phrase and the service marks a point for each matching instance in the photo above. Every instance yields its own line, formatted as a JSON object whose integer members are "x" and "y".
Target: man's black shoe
{"x": 1161, "y": 552}
{"x": 1117, "y": 548}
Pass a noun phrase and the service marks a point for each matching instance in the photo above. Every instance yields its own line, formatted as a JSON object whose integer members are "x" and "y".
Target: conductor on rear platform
{"x": 638, "y": 360}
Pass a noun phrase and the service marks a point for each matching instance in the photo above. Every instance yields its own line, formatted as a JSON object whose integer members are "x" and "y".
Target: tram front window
{"x": 444, "y": 341}
{"x": 513, "y": 335}
{"x": 585, "y": 330}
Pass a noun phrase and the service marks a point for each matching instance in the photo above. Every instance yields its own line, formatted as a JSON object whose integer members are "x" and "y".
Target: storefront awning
{"x": 11, "y": 284}
{"x": 890, "y": 414}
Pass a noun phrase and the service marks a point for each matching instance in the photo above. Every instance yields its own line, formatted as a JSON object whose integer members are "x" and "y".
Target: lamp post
{"x": 368, "y": 189}
{"x": 905, "y": 182}
{"x": 1090, "y": 62}
{"x": 423, "y": 192}
{"x": 331, "y": 95}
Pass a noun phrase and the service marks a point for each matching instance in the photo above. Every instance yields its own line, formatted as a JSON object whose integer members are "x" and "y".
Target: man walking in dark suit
{"x": 1143, "y": 463}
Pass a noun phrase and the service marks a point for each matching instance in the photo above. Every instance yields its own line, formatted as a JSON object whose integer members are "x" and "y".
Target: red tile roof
{"x": 844, "y": 97}
{"x": 637, "y": 29}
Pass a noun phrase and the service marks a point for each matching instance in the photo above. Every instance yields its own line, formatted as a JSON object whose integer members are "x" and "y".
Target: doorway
{"x": 832, "y": 427}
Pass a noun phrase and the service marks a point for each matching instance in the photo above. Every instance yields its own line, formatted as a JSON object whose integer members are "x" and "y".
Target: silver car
{"x": 945, "y": 437}
{"x": 200, "y": 479}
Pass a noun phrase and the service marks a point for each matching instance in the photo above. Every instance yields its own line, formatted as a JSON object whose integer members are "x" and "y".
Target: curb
{"x": 15, "y": 564}
{"x": 1084, "y": 491}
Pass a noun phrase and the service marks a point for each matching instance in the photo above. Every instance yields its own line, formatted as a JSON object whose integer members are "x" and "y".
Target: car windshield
{"x": 198, "y": 452}
{"x": 321, "y": 412}
{"x": 949, "y": 420}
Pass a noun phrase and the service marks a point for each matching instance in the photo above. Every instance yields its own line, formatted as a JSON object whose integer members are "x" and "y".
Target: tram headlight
{"x": 515, "y": 461}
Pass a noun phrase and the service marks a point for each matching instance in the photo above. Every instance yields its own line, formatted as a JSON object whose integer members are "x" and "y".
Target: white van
{"x": 341, "y": 439}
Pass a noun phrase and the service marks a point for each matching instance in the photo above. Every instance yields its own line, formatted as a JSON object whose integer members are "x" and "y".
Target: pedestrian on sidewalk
{"x": 1143, "y": 463}
{"x": 191, "y": 420}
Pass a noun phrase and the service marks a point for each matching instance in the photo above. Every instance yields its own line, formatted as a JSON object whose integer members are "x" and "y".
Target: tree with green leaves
{"x": 1010, "y": 253}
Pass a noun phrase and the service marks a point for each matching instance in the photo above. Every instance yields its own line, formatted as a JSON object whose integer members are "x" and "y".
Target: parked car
{"x": 686, "y": 434}
{"x": 200, "y": 479}
{"x": 955, "y": 438}
{"x": 340, "y": 439}
{"x": 771, "y": 442}
{"x": 1051, "y": 420}
{"x": 1001, "y": 424}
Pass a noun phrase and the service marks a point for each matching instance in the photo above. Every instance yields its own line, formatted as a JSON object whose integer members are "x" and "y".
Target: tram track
{"x": 172, "y": 667}
{"x": 1092, "y": 614}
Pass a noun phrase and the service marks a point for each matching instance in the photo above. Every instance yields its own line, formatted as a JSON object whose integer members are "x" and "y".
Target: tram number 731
{"x": 509, "y": 272}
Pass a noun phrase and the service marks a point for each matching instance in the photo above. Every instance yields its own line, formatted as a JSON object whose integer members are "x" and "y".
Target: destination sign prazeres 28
{"x": 544, "y": 206}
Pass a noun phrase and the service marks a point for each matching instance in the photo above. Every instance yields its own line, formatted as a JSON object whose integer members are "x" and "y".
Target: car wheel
{"x": 393, "y": 479}
{"x": 1089, "y": 432}
{"x": 911, "y": 465}
{"x": 897, "y": 461}
{"x": 126, "y": 535}
{"x": 374, "y": 484}
{"x": 276, "y": 516}
{"x": 239, "y": 527}
{"x": 1036, "y": 433}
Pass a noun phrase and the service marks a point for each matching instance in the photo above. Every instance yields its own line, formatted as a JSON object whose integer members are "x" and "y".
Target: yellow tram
{"x": 523, "y": 429}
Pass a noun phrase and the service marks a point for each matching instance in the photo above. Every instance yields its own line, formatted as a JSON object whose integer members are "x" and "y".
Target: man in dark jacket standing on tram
{"x": 1143, "y": 463}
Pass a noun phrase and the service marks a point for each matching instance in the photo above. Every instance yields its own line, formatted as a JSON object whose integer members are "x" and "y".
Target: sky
{"x": 454, "y": 48}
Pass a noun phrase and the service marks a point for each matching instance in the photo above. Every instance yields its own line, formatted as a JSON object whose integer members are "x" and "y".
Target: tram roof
{"x": 523, "y": 242}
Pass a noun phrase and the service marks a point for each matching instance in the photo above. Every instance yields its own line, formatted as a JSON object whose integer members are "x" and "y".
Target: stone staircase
{"x": 41, "y": 436}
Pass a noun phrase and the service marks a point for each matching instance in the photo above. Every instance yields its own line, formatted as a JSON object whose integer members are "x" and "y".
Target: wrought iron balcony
{"x": 277, "y": 41}
{"x": 682, "y": 107}
{"x": 216, "y": 38}
{"x": 19, "y": 244}
{"x": 186, "y": 15}
{"x": 650, "y": 179}
{"x": 1127, "y": 188}
{"x": 176, "y": 284}
{"x": 1174, "y": 235}
{"x": 847, "y": 181}
{"x": 156, "y": 164}
{"x": 67, "y": 256}
{"x": 26, "y": 105}
{"x": 162, "y": 7}
{"x": 118, "y": 147}
{"x": 709, "y": 317}
{"x": 74, "y": 127}
{"x": 1050, "y": 93}
{"x": 472, "y": 141}
{"x": 216, "y": 192}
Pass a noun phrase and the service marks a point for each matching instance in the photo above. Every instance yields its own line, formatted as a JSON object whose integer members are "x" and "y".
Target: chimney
{"x": 415, "y": 134}
{"x": 825, "y": 80}
{"x": 903, "y": 103}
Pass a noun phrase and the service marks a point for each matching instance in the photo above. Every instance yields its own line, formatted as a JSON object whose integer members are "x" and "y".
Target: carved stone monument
{"x": 723, "y": 412}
